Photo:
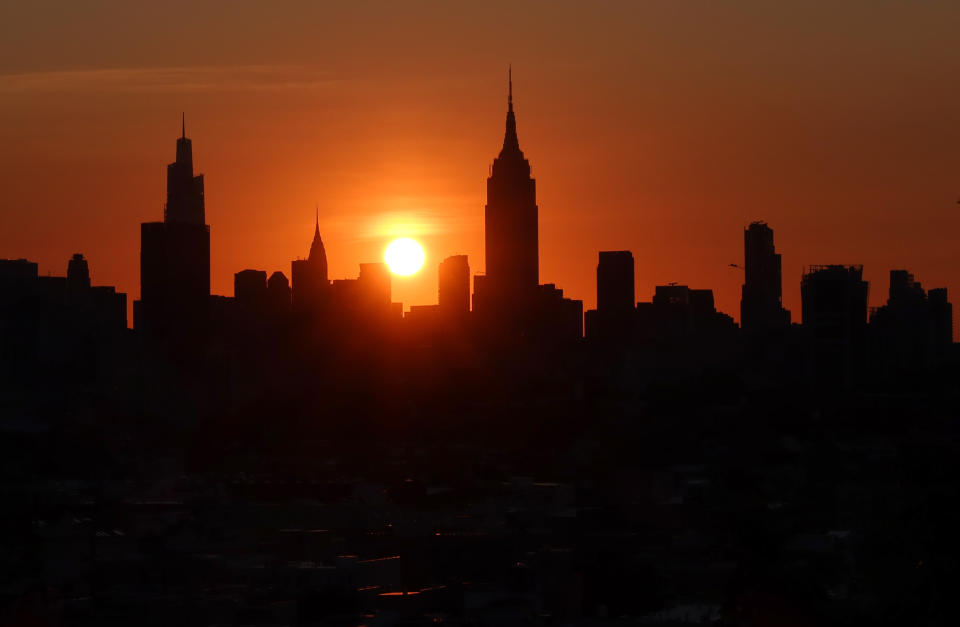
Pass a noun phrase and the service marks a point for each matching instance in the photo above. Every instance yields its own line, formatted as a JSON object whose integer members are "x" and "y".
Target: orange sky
{"x": 659, "y": 127}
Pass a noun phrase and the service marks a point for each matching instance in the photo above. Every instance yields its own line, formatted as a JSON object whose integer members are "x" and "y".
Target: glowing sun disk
{"x": 404, "y": 256}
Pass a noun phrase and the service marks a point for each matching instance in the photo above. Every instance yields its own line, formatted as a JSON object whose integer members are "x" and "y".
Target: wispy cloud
{"x": 169, "y": 79}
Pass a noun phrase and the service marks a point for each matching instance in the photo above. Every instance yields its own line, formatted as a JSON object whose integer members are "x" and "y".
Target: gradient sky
{"x": 659, "y": 127}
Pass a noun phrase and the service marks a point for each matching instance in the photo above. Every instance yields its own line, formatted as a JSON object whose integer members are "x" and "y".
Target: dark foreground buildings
{"x": 678, "y": 329}
{"x": 53, "y": 327}
{"x": 913, "y": 332}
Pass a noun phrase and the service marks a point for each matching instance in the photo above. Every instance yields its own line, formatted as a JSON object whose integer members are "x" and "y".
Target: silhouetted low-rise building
{"x": 558, "y": 318}
{"x": 57, "y": 320}
{"x": 913, "y": 330}
{"x": 941, "y": 317}
{"x": 449, "y": 318}
{"x": 615, "y": 281}
{"x": 363, "y": 304}
{"x": 834, "y": 302}
{"x": 681, "y": 329}
{"x": 425, "y": 323}
{"x": 18, "y": 278}
{"x": 15, "y": 274}
{"x": 454, "y": 286}
{"x": 250, "y": 290}
{"x": 614, "y": 319}
{"x": 678, "y": 311}
{"x": 278, "y": 293}
{"x": 374, "y": 284}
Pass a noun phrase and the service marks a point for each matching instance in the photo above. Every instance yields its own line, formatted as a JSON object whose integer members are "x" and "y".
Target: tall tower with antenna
{"x": 184, "y": 190}
{"x": 175, "y": 257}
{"x": 509, "y": 287}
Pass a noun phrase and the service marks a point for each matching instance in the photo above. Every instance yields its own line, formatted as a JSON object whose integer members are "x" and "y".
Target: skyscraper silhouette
{"x": 615, "y": 282}
{"x": 310, "y": 281}
{"x": 913, "y": 330}
{"x": 374, "y": 286}
{"x": 175, "y": 256}
{"x": 184, "y": 190}
{"x": 78, "y": 274}
{"x": 278, "y": 293}
{"x": 834, "y": 302}
{"x": 454, "y": 286}
{"x": 761, "y": 306}
{"x": 250, "y": 290}
{"x": 614, "y": 318}
{"x": 510, "y": 219}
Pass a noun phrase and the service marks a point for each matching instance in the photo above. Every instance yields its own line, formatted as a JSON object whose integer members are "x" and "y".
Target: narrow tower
{"x": 310, "y": 281}
{"x": 318, "y": 254}
{"x": 175, "y": 257}
{"x": 184, "y": 190}
{"x": 510, "y": 220}
{"x": 761, "y": 307}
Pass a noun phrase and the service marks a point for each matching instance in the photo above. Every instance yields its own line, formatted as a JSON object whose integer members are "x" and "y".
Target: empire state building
{"x": 510, "y": 220}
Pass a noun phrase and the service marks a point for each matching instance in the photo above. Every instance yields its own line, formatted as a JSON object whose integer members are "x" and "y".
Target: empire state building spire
{"x": 510, "y": 142}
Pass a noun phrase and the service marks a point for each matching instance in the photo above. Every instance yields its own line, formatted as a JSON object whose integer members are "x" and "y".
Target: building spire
{"x": 317, "y": 252}
{"x": 510, "y": 142}
{"x": 183, "y": 124}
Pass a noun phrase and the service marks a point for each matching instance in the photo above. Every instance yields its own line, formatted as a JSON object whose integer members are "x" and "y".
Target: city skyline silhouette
{"x": 487, "y": 314}
{"x": 684, "y": 154}
{"x": 185, "y": 153}
{"x": 508, "y": 306}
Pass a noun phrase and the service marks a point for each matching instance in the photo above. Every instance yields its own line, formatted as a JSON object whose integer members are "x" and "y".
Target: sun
{"x": 404, "y": 256}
